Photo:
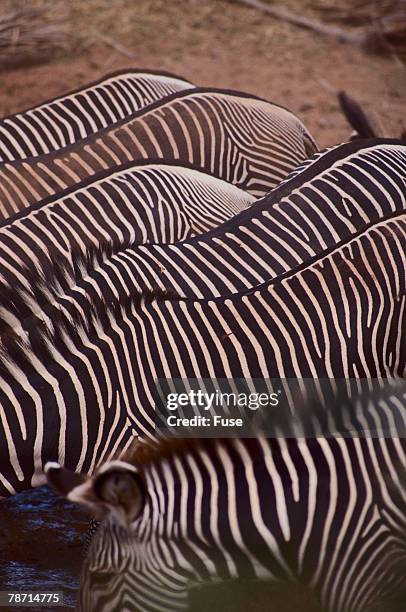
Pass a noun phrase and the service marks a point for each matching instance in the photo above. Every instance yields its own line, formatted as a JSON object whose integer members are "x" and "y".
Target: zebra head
{"x": 127, "y": 565}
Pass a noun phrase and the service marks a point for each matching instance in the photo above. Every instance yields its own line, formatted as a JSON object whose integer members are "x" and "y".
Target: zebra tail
{"x": 356, "y": 117}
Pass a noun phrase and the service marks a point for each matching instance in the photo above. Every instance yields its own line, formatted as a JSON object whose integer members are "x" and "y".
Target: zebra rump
{"x": 346, "y": 191}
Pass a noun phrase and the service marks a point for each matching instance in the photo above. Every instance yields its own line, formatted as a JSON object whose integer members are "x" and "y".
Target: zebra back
{"x": 244, "y": 140}
{"x": 62, "y": 121}
{"x": 348, "y": 189}
{"x": 145, "y": 202}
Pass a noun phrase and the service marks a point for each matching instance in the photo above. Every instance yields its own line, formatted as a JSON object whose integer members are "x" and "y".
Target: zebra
{"x": 256, "y": 246}
{"x": 80, "y": 361}
{"x": 231, "y": 135}
{"x": 327, "y": 511}
{"x": 80, "y": 113}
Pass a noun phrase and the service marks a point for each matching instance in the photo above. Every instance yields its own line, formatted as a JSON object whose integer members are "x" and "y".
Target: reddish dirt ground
{"x": 223, "y": 44}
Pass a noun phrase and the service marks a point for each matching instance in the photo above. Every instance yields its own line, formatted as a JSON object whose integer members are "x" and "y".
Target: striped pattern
{"x": 62, "y": 121}
{"x": 244, "y": 140}
{"x": 141, "y": 203}
{"x": 278, "y": 234}
{"x": 95, "y": 349}
{"x": 328, "y": 512}
{"x": 294, "y": 224}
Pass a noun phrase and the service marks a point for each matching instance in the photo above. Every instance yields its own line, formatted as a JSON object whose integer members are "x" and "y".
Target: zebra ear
{"x": 75, "y": 487}
{"x": 61, "y": 479}
{"x": 120, "y": 487}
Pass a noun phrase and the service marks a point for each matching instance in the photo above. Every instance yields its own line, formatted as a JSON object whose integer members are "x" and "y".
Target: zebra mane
{"x": 31, "y": 317}
{"x": 147, "y": 453}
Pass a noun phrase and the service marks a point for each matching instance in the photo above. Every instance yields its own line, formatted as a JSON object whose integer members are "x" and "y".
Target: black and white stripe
{"x": 359, "y": 186}
{"x": 236, "y": 137}
{"x": 176, "y": 202}
{"x": 80, "y": 362}
{"x": 140, "y": 203}
{"x": 62, "y": 121}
